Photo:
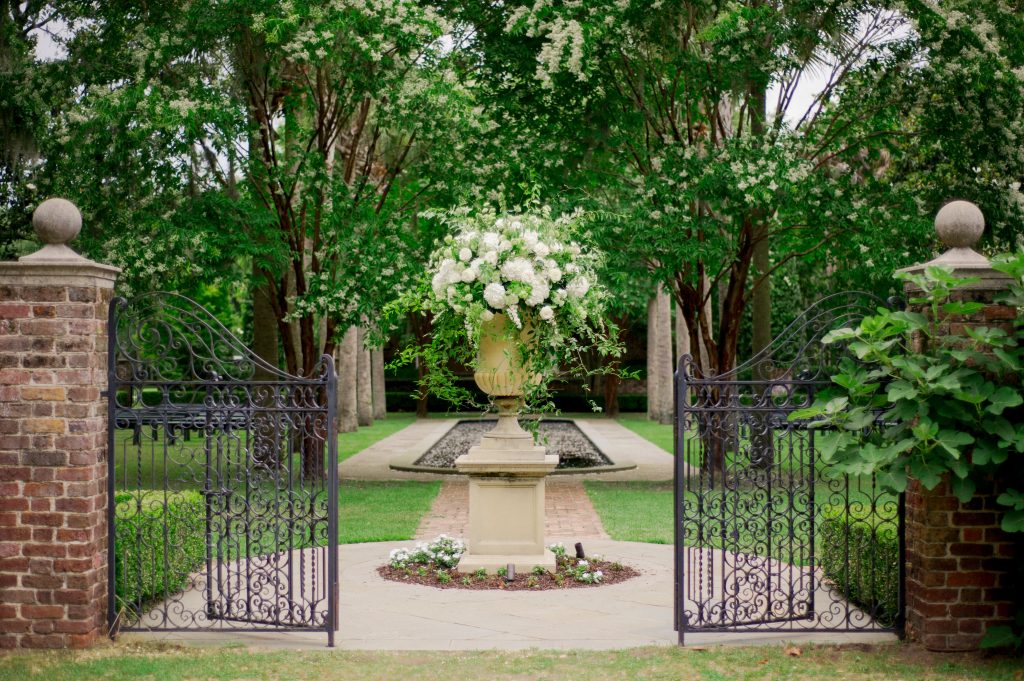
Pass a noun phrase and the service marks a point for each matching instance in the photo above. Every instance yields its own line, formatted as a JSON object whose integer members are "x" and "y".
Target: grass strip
{"x": 160, "y": 662}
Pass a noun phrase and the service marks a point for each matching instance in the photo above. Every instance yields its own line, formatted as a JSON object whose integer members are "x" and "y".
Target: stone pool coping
{"x": 406, "y": 462}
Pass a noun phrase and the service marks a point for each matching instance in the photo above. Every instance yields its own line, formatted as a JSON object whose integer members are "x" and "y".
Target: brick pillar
{"x": 53, "y": 471}
{"x": 960, "y": 568}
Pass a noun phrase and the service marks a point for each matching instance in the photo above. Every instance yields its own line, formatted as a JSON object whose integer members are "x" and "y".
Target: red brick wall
{"x": 53, "y": 472}
{"x": 961, "y": 570}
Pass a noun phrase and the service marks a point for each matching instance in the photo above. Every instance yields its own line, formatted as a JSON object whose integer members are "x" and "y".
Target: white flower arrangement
{"x": 525, "y": 266}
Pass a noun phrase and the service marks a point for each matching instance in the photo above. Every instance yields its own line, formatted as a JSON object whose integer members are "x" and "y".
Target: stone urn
{"x": 506, "y": 470}
{"x": 500, "y": 374}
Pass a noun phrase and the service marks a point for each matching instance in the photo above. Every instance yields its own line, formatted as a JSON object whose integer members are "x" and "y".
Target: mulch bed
{"x": 614, "y": 572}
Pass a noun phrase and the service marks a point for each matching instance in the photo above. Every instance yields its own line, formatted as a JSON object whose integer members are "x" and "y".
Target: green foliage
{"x": 1006, "y": 635}
{"x": 944, "y": 402}
{"x": 862, "y": 560}
{"x": 159, "y": 542}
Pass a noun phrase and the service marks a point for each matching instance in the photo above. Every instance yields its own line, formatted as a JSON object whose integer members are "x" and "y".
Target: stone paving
{"x": 376, "y": 614}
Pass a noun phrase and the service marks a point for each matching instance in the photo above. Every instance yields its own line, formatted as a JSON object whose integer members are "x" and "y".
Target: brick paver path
{"x": 569, "y": 515}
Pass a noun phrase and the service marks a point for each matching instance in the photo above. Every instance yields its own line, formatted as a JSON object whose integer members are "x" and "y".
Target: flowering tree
{"x": 702, "y": 147}
{"x": 299, "y": 136}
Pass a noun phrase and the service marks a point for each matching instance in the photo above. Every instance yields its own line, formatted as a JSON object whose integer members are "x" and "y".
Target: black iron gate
{"x": 767, "y": 536}
{"x": 223, "y": 478}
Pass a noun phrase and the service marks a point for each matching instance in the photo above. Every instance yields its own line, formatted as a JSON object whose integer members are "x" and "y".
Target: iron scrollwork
{"x": 757, "y": 510}
{"x": 223, "y": 478}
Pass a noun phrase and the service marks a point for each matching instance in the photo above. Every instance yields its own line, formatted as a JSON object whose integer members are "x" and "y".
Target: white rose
{"x": 546, "y": 313}
{"x": 465, "y": 255}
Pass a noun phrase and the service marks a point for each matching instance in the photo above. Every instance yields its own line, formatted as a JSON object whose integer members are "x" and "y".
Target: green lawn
{"x": 382, "y": 511}
{"x": 649, "y": 430}
{"x": 162, "y": 662}
{"x": 633, "y": 511}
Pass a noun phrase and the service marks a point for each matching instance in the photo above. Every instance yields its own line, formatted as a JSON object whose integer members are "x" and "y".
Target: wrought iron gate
{"x": 223, "y": 478}
{"x": 767, "y": 536}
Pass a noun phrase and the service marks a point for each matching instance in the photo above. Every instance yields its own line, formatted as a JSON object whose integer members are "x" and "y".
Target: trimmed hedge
{"x": 861, "y": 558}
{"x": 147, "y": 530}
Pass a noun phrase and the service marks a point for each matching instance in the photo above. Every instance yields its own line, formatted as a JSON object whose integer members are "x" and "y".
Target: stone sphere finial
{"x": 959, "y": 224}
{"x": 57, "y": 221}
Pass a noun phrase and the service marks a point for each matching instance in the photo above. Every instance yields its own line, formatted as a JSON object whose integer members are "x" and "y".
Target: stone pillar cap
{"x": 959, "y": 225}
{"x": 57, "y": 222}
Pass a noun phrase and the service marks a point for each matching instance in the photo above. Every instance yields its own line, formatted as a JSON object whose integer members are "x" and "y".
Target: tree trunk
{"x": 377, "y": 379}
{"x": 267, "y": 437}
{"x": 364, "y": 381}
{"x": 420, "y": 324}
{"x": 762, "y": 445}
{"x": 659, "y": 360}
{"x": 347, "y": 360}
{"x": 611, "y": 379}
{"x": 653, "y": 399}
{"x": 682, "y": 343}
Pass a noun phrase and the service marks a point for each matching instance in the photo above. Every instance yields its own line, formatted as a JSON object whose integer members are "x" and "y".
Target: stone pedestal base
{"x": 506, "y": 509}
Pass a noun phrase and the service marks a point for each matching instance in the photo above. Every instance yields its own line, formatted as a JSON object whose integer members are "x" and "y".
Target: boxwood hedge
{"x": 159, "y": 542}
{"x": 861, "y": 558}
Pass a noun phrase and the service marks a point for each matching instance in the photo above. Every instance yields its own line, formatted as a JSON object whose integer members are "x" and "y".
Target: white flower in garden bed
{"x": 443, "y": 551}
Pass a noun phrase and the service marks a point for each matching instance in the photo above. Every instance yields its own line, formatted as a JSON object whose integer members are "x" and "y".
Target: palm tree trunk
{"x": 377, "y": 379}
{"x": 347, "y": 421}
{"x": 364, "y": 385}
{"x": 659, "y": 359}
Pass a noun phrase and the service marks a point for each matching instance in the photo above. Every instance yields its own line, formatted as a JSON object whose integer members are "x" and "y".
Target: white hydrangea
{"x": 578, "y": 287}
{"x": 490, "y": 241}
{"x": 538, "y": 294}
{"x": 546, "y": 313}
{"x": 494, "y": 294}
{"x": 518, "y": 269}
{"x": 469, "y": 275}
{"x": 465, "y": 255}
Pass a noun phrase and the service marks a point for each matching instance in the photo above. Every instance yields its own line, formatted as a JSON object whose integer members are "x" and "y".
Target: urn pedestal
{"x": 506, "y": 470}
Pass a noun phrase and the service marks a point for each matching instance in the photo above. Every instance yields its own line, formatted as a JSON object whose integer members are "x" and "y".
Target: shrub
{"x": 159, "y": 542}
{"x": 861, "y": 558}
